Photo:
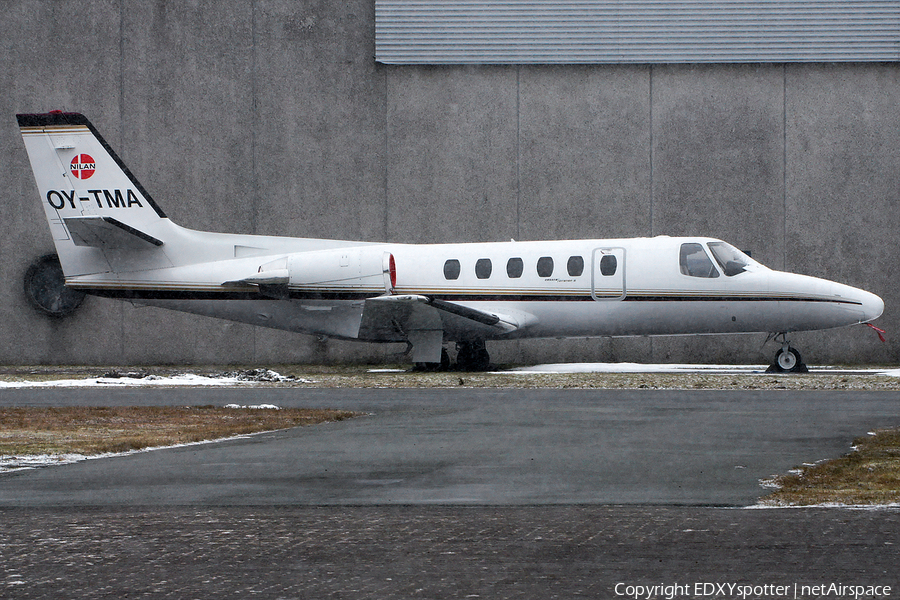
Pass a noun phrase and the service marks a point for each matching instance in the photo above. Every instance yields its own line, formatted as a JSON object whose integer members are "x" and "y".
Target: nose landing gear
{"x": 787, "y": 359}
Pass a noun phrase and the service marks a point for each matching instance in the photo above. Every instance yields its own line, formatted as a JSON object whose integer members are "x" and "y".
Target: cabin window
{"x": 608, "y": 265}
{"x": 451, "y": 269}
{"x": 483, "y": 268}
{"x": 695, "y": 262}
{"x": 545, "y": 266}
{"x": 731, "y": 260}
{"x": 515, "y": 267}
{"x": 575, "y": 266}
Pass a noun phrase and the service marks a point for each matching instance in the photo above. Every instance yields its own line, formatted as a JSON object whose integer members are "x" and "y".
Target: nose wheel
{"x": 787, "y": 360}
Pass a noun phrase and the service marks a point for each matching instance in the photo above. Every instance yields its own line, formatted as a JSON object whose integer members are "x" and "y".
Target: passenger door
{"x": 608, "y": 274}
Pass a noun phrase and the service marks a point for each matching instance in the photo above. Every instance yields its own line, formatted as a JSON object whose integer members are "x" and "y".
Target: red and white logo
{"x": 83, "y": 166}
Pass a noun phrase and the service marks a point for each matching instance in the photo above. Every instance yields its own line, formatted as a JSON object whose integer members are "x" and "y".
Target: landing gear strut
{"x": 787, "y": 359}
{"x": 472, "y": 356}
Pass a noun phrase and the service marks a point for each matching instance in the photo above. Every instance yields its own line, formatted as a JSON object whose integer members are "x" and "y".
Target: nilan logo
{"x": 83, "y": 166}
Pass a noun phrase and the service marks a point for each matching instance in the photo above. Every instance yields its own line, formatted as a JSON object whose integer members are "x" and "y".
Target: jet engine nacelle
{"x": 360, "y": 269}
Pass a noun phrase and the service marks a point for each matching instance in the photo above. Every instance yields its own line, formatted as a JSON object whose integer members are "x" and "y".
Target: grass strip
{"x": 27, "y": 431}
{"x": 868, "y": 475}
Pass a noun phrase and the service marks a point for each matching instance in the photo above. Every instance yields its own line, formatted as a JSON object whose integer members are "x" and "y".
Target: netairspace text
{"x": 795, "y": 591}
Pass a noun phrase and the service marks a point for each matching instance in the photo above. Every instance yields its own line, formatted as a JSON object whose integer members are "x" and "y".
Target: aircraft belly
{"x": 620, "y": 318}
{"x": 343, "y": 319}
{"x": 647, "y": 318}
{"x": 735, "y": 316}
{"x": 339, "y": 319}
{"x": 807, "y": 316}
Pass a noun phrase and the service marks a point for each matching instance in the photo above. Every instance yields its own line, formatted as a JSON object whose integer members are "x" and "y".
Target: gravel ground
{"x": 819, "y": 378}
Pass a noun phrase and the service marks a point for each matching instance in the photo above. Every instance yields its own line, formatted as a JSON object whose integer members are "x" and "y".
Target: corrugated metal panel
{"x": 635, "y": 31}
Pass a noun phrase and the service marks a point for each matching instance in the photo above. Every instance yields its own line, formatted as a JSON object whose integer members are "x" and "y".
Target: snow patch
{"x": 633, "y": 368}
{"x": 627, "y": 367}
{"x": 19, "y": 463}
{"x": 891, "y": 506}
{"x": 116, "y": 379}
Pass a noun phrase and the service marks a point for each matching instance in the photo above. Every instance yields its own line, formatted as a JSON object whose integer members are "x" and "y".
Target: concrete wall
{"x": 272, "y": 117}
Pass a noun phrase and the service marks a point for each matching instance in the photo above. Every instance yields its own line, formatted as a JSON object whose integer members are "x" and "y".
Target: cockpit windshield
{"x": 731, "y": 260}
{"x": 695, "y": 262}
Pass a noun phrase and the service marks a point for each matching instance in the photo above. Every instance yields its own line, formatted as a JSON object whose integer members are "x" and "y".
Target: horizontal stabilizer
{"x": 108, "y": 233}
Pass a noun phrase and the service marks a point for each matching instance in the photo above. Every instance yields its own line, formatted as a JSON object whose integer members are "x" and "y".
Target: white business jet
{"x": 113, "y": 240}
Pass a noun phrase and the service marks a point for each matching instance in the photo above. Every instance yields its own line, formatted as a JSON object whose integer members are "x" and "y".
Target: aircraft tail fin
{"x": 93, "y": 203}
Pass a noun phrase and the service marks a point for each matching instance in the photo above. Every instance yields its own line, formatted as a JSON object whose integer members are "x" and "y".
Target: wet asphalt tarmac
{"x": 457, "y": 493}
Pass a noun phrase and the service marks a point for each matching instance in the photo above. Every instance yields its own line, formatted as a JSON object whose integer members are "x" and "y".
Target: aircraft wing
{"x": 407, "y": 306}
{"x": 418, "y": 319}
{"x": 504, "y": 323}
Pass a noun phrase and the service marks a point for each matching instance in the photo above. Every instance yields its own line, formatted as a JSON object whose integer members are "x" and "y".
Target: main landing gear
{"x": 787, "y": 359}
{"x": 470, "y": 356}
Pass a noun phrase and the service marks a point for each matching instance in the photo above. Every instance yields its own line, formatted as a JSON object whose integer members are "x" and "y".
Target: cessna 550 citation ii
{"x": 114, "y": 241}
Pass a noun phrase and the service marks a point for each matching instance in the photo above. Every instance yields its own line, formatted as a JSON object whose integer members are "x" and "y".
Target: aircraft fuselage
{"x": 577, "y": 288}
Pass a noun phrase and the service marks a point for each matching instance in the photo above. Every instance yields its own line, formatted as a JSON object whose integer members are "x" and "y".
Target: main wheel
{"x": 482, "y": 360}
{"x": 473, "y": 356}
{"x": 788, "y": 360}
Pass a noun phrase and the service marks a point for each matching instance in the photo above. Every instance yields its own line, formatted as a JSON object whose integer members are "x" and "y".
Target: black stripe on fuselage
{"x": 188, "y": 294}
{"x": 631, "y": 298}
{"x": 217, "y": 295}
{"x": 650, "y": 298}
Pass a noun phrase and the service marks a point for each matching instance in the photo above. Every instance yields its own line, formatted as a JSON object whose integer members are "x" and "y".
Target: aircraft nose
{"x": 872, "y": 305}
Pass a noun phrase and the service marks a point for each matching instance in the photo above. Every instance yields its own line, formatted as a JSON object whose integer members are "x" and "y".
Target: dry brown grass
{"x": 868, "y": 475}
{"x": 98, "y": 430}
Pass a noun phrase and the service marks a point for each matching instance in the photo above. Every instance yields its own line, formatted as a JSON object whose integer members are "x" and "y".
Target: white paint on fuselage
{"x": 658, "y": 298}
{"x": 757, "y": 300}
